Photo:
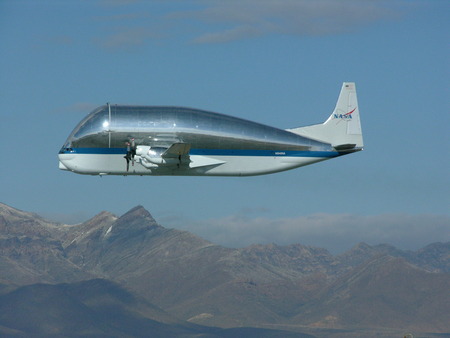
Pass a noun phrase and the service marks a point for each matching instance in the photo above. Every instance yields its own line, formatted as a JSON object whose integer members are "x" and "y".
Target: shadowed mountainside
{"x": 98, "y": 308}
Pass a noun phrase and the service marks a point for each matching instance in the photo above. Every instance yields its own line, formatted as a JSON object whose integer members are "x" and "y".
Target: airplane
{"x": 166, "y": 140}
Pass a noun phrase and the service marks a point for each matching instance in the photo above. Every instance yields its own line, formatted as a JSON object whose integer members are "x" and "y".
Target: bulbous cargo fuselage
{"x": 152, "y": 140}
{"x": 219, "y": 144}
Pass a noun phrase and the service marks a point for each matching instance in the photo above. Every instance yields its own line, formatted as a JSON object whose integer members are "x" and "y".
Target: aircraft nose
{"x": 65, "y": 161}
{"x": 62, "y": 166}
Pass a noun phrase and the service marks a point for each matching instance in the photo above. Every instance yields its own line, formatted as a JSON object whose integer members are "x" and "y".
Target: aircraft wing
{"x": 176, "y": 150}
{"x": 179, "y": 152}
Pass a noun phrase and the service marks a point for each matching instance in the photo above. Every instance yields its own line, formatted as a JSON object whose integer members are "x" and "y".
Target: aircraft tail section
{"x": 343, "y": 128}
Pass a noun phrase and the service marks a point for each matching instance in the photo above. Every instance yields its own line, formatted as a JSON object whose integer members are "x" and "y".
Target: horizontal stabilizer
{"x": 343, "y": 147}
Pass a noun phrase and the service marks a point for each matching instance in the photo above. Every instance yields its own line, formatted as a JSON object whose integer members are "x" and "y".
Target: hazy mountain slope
{"x": 187, "y": 275}
{"x": 192, "y": 279}
{"x": 434, "y": 257}
{"x": 98, "y": 308}
{"x": 14, "y": 222}
{"x": 62, "y": 310}
{"x": 30, "y": 251}
{"x": 384, "y": 292}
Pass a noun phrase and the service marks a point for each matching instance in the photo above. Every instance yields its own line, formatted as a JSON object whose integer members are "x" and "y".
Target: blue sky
{"x": 281, "y": 63}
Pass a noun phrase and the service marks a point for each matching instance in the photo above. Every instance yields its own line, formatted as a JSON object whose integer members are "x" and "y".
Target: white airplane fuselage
{"x": 106, "y": 164}
{"x": 152, "y": 140}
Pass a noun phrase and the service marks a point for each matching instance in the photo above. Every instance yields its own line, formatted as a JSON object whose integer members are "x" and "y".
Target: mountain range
{"x": 130, "y": 276}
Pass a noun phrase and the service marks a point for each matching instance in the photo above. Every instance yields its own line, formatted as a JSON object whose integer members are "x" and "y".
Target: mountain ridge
{"x": 198, "y": 282}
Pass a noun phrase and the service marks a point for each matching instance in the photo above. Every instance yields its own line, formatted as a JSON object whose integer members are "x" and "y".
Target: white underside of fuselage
{"x": 108, "y": 164}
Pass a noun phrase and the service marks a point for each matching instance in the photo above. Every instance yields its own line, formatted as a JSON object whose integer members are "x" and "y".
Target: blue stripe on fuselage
{"x": 96, "y": 151}
{"x": 255, "y": 152}
{"x": 212, "y": 152}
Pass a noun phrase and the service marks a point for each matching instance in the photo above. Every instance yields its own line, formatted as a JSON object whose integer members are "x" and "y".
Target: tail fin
{"x": 343, "y": 128}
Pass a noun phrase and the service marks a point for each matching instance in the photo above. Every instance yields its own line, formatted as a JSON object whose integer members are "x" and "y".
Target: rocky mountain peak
{"x": 138, "y": 212}
{"x": 14, "y": 222}
{"x": 7, "y": 210}
{"x": 135, "y": 220}
{"x": 104, "y": 216}
{"x": 361, "y": 246}
{"x": 10, "y": 214}
{"x": 435, "y": 256}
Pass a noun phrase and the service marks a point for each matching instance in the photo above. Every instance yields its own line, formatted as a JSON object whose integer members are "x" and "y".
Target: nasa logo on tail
{"x": 344, "y": 117}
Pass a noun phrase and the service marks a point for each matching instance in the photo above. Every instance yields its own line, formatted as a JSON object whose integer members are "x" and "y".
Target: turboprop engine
{"x": 160, "y": 156}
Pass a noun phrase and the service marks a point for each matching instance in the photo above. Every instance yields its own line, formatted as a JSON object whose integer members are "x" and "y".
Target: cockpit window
{"x": 98, "y": 122}
{"x": 95, "y": 122}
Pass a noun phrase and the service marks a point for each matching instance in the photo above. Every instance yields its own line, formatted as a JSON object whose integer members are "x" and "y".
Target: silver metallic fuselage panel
{"x": 219, "y": 144}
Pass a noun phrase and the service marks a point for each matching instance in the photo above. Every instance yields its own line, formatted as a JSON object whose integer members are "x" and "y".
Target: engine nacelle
{"x": 154, "y": 156}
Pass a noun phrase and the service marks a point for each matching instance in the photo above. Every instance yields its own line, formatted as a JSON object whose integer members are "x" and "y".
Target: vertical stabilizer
{"x": 343, "y": 128}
